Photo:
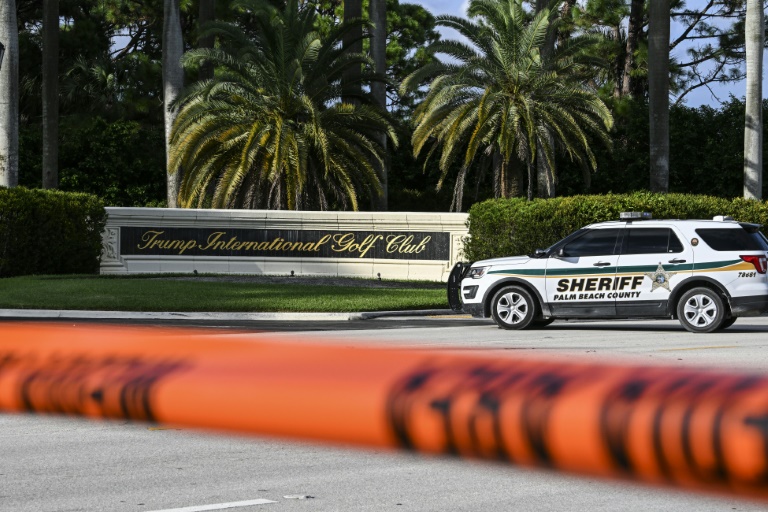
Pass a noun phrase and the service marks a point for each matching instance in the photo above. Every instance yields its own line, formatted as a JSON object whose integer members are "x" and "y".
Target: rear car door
{"x": 580, "y": 275}
{"x": 653, "y": 261}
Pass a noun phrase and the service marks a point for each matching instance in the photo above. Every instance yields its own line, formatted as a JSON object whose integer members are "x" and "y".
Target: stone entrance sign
{"x": 421, "y": 246}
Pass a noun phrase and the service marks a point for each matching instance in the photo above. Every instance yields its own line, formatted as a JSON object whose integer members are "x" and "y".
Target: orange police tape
{"x": 688, "y": 428}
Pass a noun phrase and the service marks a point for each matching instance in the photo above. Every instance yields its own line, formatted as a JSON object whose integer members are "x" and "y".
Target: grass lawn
{"x": 131, "y": 293}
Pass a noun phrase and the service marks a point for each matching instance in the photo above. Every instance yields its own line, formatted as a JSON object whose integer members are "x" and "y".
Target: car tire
{"x": 701, "y": 310}
{"x": 728, "y": 322}
{"x": 513, "y": 307}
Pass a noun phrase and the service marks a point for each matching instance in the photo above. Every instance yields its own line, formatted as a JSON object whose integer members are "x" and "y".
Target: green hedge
{"x": 49, "y": 232}
{"x": 505, "y": 227}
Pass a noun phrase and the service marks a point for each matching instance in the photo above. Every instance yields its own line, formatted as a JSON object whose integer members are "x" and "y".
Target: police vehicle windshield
{"x": 549, "y": 251}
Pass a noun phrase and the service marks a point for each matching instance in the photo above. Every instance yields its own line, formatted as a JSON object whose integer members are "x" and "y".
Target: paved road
{"x": 54, "y": 464}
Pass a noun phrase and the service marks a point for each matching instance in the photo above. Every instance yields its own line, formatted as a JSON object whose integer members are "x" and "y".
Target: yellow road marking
{"x": 696, "y": 348}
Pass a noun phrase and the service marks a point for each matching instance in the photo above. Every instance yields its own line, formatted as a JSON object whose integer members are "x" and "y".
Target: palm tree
{"x": 173, "y": 82}
{"x": 353, "y": 42}
{"x": 270, "y": 130}
{"x": 206, "y": 14}
{"x": 502, "y": 97}
{"x": 753, "y": 127}
{"x": 377, "y": 13}
{"x": 9, "y": 95}
{"x": 658, "y": 93}
{"x": 50, "y": 93}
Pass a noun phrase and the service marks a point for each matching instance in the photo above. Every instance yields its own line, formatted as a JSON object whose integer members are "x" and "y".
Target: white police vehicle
{"x": 706, "y": 273}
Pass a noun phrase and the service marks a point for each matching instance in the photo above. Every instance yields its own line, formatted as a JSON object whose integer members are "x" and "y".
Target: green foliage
{"x": 49, "y": 232}
{"x": 706, "y": 152}
{"x": 505, "y": 227}
{"x": 122, "y": 162}
{"x": 270, "y": 130}
{"x": 506, "y": 94}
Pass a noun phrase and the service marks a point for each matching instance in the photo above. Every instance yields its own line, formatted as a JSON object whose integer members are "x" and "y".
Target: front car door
{"x": 580, "y": 275}
{"x": 653, "y": 261}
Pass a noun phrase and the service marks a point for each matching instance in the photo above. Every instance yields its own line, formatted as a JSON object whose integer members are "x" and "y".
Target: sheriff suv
{"x": 705, "y": 273}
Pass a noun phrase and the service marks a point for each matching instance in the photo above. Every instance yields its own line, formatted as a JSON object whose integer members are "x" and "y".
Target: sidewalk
{"x": 53, "y": 314}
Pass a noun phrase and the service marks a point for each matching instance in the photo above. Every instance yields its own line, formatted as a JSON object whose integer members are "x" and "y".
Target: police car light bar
{"x": 635, "y": 216}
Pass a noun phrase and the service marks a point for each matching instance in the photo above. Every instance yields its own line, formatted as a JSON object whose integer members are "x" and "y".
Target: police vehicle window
{"x": 733, "y": 239}
{"x": 651, "y": 240}
{"x": 594, "y": 242}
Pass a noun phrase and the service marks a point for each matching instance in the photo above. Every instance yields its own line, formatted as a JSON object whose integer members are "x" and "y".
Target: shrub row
{"x": 49, "y": 232}
{"x": 505, "y": 227}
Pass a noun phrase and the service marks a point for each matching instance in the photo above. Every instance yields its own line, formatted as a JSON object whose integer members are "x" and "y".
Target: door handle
{"x": 601, "y": 264}
{"x": 676, "y": 261}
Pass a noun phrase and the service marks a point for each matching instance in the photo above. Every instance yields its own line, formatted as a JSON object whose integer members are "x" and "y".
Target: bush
{"x": 505, "y": 227}
{"x": 122, "y": 162}
{"x": 49, "y": 232}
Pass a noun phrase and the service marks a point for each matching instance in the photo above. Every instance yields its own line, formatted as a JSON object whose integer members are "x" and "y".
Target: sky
{"x": 696, "y": 98}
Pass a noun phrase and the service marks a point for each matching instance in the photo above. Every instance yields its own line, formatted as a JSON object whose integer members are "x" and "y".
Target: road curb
{"x": 52, "y": 314}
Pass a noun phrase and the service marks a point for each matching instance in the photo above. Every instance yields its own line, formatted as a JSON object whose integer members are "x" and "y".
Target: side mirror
{"x": 560, "y": 253}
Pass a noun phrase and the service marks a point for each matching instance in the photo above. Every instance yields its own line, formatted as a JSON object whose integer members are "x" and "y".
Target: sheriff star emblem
{"x": 660, "y": 278}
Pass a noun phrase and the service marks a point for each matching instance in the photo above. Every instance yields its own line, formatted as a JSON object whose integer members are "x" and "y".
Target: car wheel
{"x": 728, "y": 322}
{"x": 701, "y": 310}
{"x": 513, "y": 307}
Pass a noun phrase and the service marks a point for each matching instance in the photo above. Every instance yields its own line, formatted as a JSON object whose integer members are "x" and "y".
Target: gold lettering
{"x": 344, "y": 243}
{"x": 191, "y": 244}
{"x": 404, "y": 244}
{"x": 423, "y": 245}
{"x": 321, "y": 242}
{"x": 368, "y": 243}
{"x": 212, "y": 239}
{"x": 149, "y": 237}
{"x": 151, "y": 240}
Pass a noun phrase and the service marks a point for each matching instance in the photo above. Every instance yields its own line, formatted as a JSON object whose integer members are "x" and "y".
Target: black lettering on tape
{"x": 114, "y": 387}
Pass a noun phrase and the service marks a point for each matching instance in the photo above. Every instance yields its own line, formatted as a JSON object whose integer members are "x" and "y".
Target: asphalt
{"x": 55, "y": 314}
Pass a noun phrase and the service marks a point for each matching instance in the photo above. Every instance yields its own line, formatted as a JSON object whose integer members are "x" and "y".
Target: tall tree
{"x": 50, "y": 93}
{"x": 206, "y": 14}
{"x": 377, "y": 14}
{"x": 545, "y": 185}
{"x": 753, "y": 125}
{"x": 352, "y": 43}
{"x": 173, "y": 82}
{"x": 9, "y": 95}
{"x": 270, "y": 130}
{"x": 658, "y": 93}
{"x": 503, "y": 97}
{"x": 629, "y": 84}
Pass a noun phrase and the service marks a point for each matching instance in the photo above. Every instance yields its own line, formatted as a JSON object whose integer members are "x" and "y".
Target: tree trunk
{"x": 658, "y": 92}
{"x": 50, "y": 93}
{"x": 377, "y": 13}
{"x": 634, "y": 28}
{"x": 545, "y": 185}
{"x": 618, "y": 64}
{"x": 753, "y": 126}
{"x": 9, "y": 95}
{"x": 173, "y": 81}
{"x": 565, "y": 14}
{"x": 206, "y": 14}
{"x": 353, "y": 43}
{"x": 545, "y": 182}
